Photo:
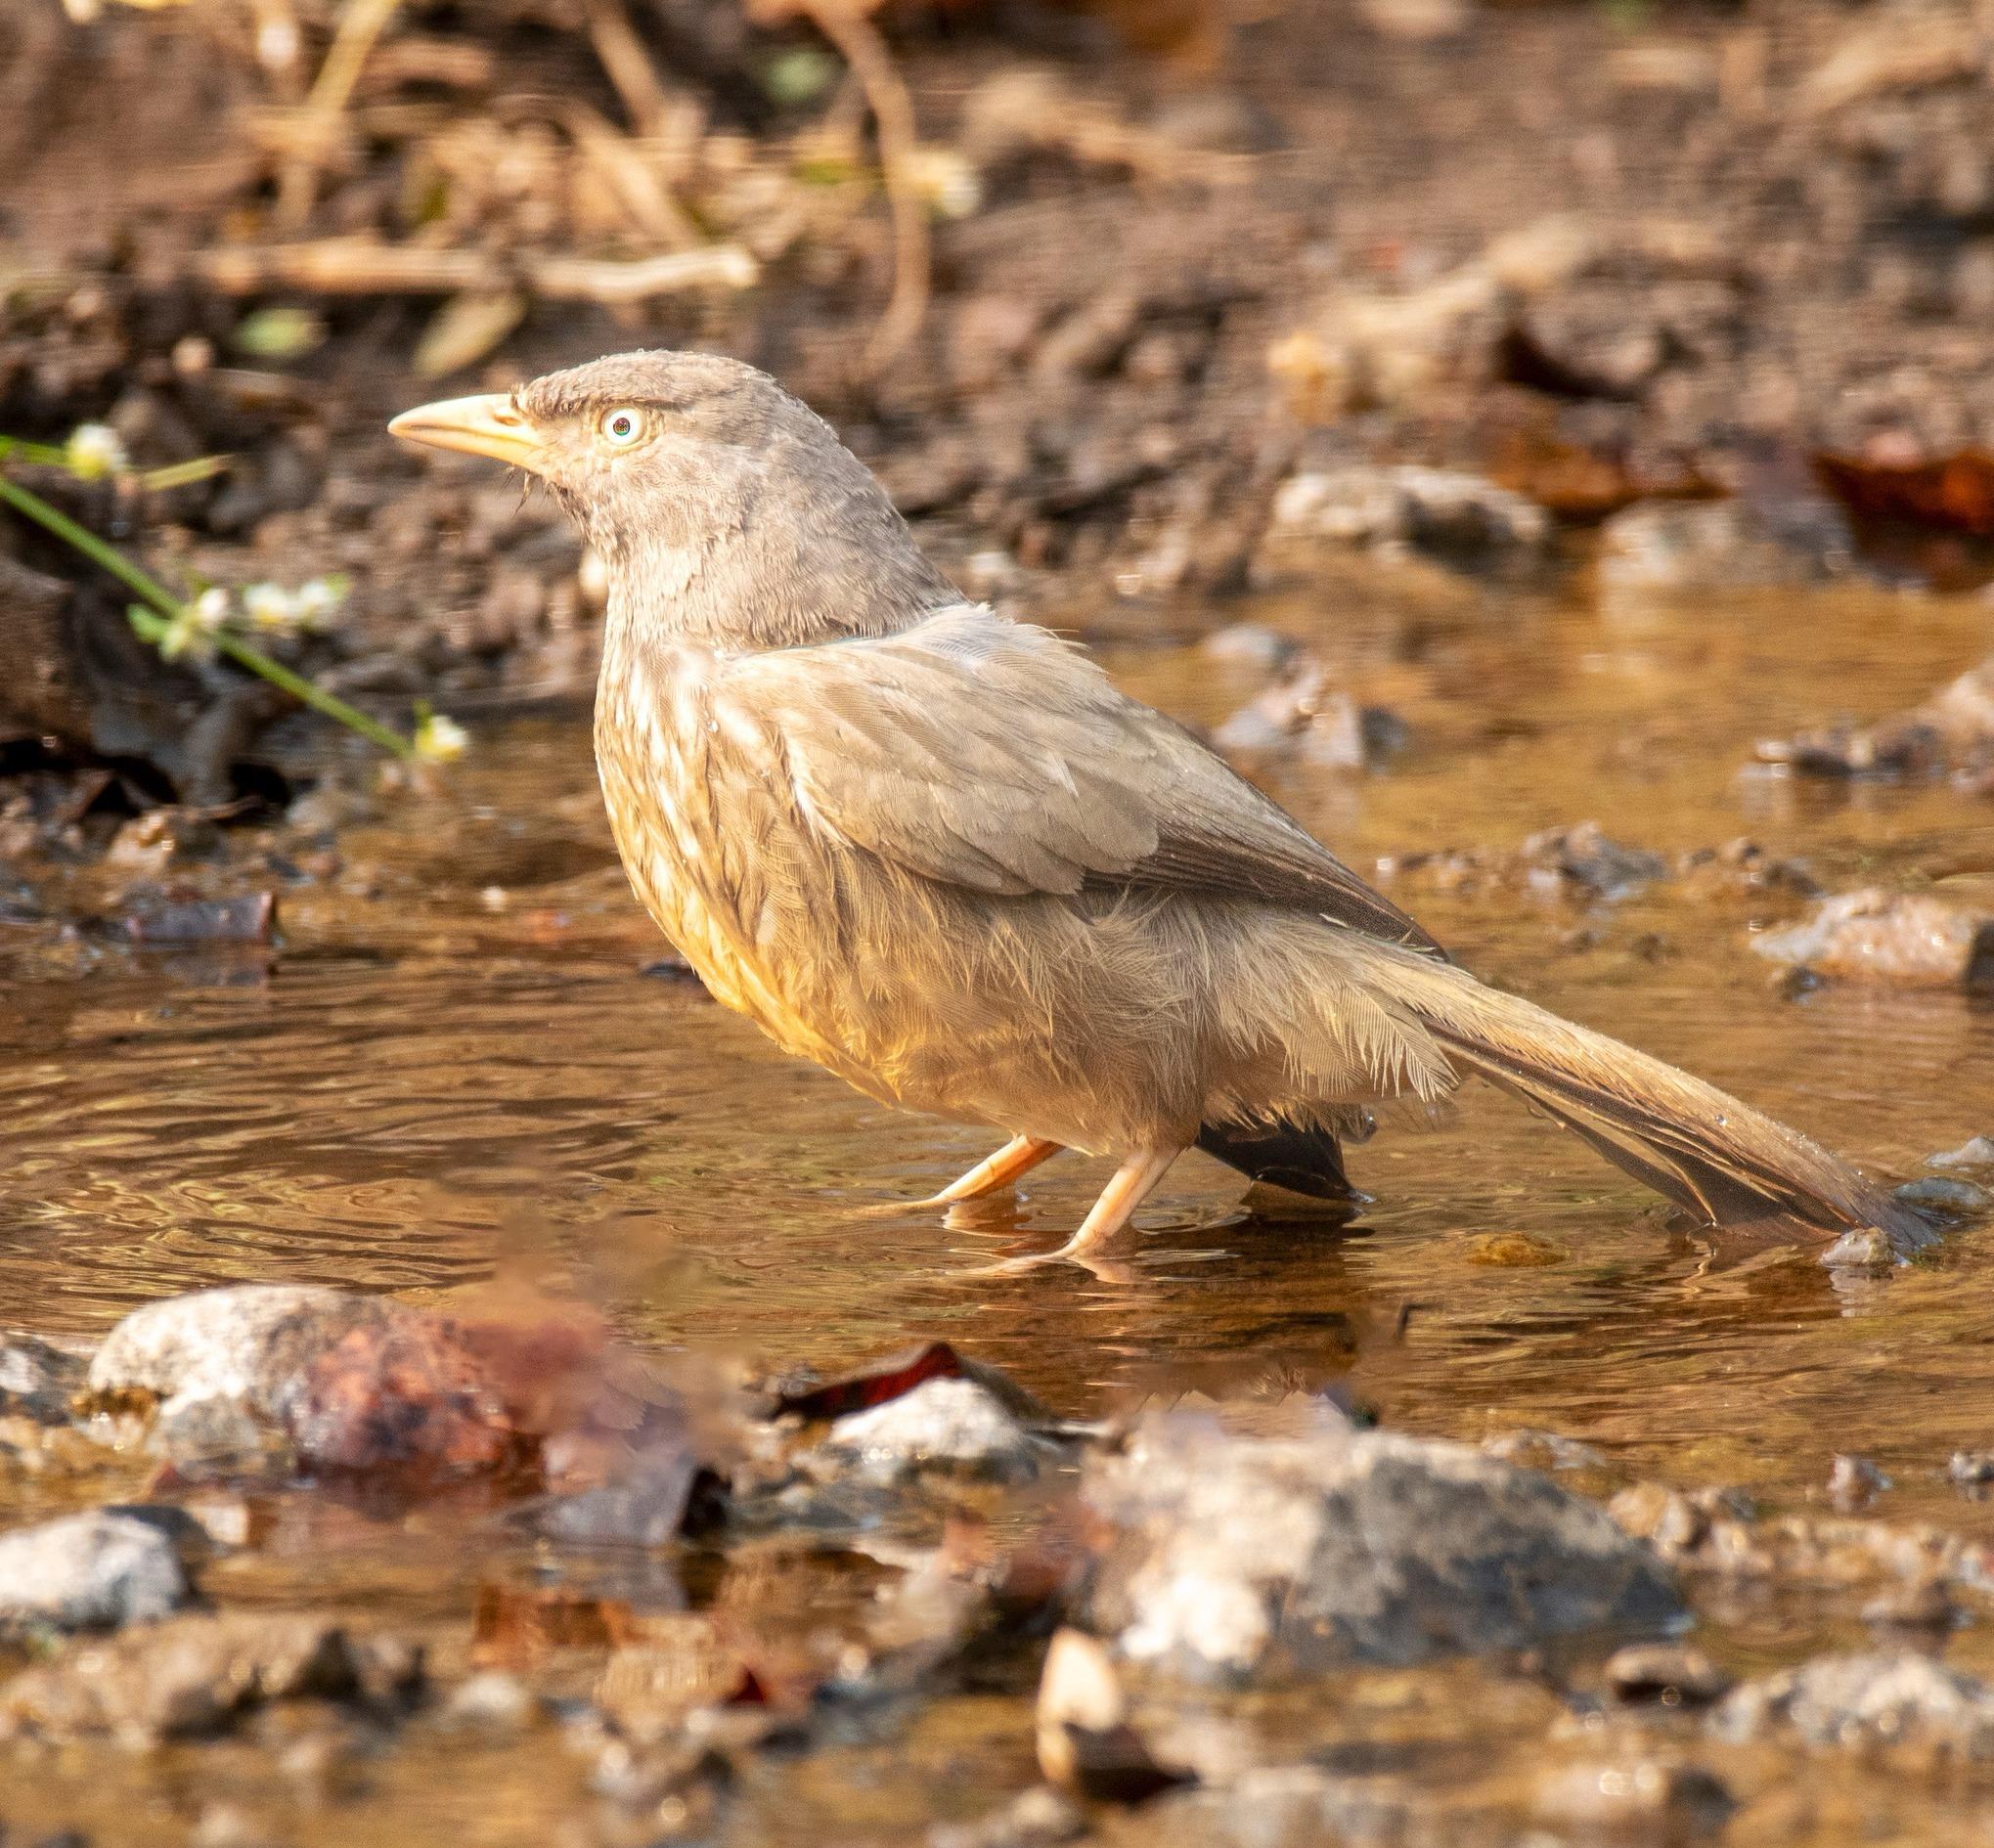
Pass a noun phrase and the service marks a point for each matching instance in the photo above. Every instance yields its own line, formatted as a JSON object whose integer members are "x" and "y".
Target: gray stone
{"x": 37, "y": 1380}
{"x": 1974, "y": 1152}
{"x": 951, "y": 1423}
{"x": 1907, "y": 940}
{"x": 1429, "y": 509}
{"x": 88, "y": 1572}
{"x": 1906, "y": 1700}
{"x": 1668, "y": 545}
{"x": 1232, "y": 1553}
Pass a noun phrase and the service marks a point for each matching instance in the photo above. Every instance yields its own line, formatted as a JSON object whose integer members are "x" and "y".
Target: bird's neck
{"x": 767, "y": 550}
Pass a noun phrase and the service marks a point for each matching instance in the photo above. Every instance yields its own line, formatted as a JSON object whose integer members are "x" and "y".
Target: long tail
{"x": 1711, "y": 1155}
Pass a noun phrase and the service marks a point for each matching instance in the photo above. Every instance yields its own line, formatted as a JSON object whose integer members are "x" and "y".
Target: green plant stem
{"x": 316, "y": 697}
{"x": 99, "y": 552}
{"x": 167, "y": 606}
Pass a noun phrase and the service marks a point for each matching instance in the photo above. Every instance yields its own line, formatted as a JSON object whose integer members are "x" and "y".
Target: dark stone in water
{"x": 1232, "y": 1553}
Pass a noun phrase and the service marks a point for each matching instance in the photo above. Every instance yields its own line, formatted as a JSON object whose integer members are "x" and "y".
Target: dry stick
{"x": 645, "y": 200}
{"x": 628, "y": 66}
{"x": 858, "y": 43}
{"x": 360, "y": 266}
{"x": 360, "y": 25}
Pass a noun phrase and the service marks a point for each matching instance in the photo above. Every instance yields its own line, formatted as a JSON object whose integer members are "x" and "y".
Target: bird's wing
{"x": 992, "y": 755}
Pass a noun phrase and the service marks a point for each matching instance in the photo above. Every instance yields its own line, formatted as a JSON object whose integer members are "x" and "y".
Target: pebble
{"x": 98, "y": 1570}
{"x": 1906, "y": 940}
{"x": 951, "y": 1423}
{"x": 1902, "y": 1700}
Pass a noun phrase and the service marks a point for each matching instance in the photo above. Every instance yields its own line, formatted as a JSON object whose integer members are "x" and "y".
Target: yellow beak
{"x": 485, "y": 426}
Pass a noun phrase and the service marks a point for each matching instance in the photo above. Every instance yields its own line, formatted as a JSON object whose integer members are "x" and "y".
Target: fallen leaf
{"x": 1953, "y": 493}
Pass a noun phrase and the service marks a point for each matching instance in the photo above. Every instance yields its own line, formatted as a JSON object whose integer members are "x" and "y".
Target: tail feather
{"x": 1713, "y": 1156}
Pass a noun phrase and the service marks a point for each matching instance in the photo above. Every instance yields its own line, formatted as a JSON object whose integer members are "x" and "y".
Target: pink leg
{"x": 1132, "y": 1184}
{"x": 1018, "y": 1156}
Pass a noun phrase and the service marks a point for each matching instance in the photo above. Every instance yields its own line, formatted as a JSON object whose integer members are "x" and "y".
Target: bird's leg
{"x": 1131, "y": 1184}
{"x": 1015, "y": 1159}
{"x": 1018, "y": 1156}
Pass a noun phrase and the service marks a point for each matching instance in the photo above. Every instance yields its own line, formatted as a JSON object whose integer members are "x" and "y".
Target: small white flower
{"x": 316, "y": 601}
{"x": 192, "y": 629}
{"x": 208, "y": 613}
{"x": 270, "y": 607}
{"x": 96, "y": 450}
{"x": 951, "y": 187}
{"x": 440, "y": 740}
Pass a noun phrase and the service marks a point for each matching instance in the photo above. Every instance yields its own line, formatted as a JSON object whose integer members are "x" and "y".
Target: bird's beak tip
{"x": 488, "y": 424}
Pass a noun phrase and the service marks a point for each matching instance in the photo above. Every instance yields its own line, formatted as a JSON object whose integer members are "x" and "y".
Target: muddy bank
{"x": 1590, "y": 264}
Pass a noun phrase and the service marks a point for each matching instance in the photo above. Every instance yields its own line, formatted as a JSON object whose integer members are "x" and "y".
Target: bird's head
{"x": 629, "y": 442}
{"x": 722, "y": 505}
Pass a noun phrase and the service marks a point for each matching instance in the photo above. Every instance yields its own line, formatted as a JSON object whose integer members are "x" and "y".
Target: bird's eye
{"x": 622, "y": 426}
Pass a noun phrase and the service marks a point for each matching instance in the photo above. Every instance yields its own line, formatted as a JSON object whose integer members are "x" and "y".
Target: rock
{"x": 1689, "y": 546}
{"x": 1664, "y": 1674}
{"x": 1715, "y": 1531}
{"x": 1586, "y": 857}
{"x": 490, "y": 1702}
{"x": 1904, "y": 938}
{"x": 948, "y": 1423}
{"x": 1865, "y": 1249}
{"x": 1303, "y": 713}
{"x": 1644, "y": 1796}
{"x": 644, "y": 1507}
{"x": 1920, "y": 1605}
{"x": 1853, "y": 1484}
{"x": 1086, "y": 1744}
{"x": 1281, "y": 1806}
{"x": 1971, "y": 1469}
{"x": 89, "y": 1571}
{"x": 353, "y": 1382}
{"x": 1951, "y": 732}
{"x": 196, "y": 1676}
{"x": 1542, "y": 1450}
{"x": 1904, "y": 1702}
{"x": 1251, "y": 644}
{"x": 1974, "y": 1152}
{"x": 39, "y": 1381}
{"x": 1229, "y": 1553}
{"x": 1037, "y": 1819}
{"x": 1437, "y": 510}
{"x": 1942, "y": 1194}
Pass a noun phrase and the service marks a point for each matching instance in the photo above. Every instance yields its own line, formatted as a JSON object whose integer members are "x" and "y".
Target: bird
{"x": 934, "y": 848}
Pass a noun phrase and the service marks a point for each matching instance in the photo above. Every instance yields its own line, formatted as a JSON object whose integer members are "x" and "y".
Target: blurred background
{"x": 1088, "y": 281}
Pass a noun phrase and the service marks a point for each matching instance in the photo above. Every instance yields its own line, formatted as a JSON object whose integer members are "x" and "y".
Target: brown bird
{"x": 936, "y": 852}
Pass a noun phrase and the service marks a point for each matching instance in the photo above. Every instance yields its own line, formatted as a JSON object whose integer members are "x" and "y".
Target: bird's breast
{"x": 700, "y": 830}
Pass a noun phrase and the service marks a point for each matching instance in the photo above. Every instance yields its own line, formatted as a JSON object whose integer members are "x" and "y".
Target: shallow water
{"x": 454, "y": 1063}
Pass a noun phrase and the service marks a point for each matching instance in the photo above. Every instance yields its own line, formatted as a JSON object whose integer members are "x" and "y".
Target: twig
{"x": 628, "y": 66}
{"x": 360, "y": 25}
{"x": 859, "y": 45}
{"x": 633, "y": 177}
{"x": 360, "y": 266}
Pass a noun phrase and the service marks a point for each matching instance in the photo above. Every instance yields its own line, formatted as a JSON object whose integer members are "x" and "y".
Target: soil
{"x": 1596, "y": 258}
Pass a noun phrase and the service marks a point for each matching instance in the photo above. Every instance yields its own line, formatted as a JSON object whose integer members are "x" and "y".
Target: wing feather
{"x": 992, "y": 755}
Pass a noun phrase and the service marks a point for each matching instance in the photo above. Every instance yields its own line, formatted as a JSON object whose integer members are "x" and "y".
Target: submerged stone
{"x": 196, "y": 1676}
